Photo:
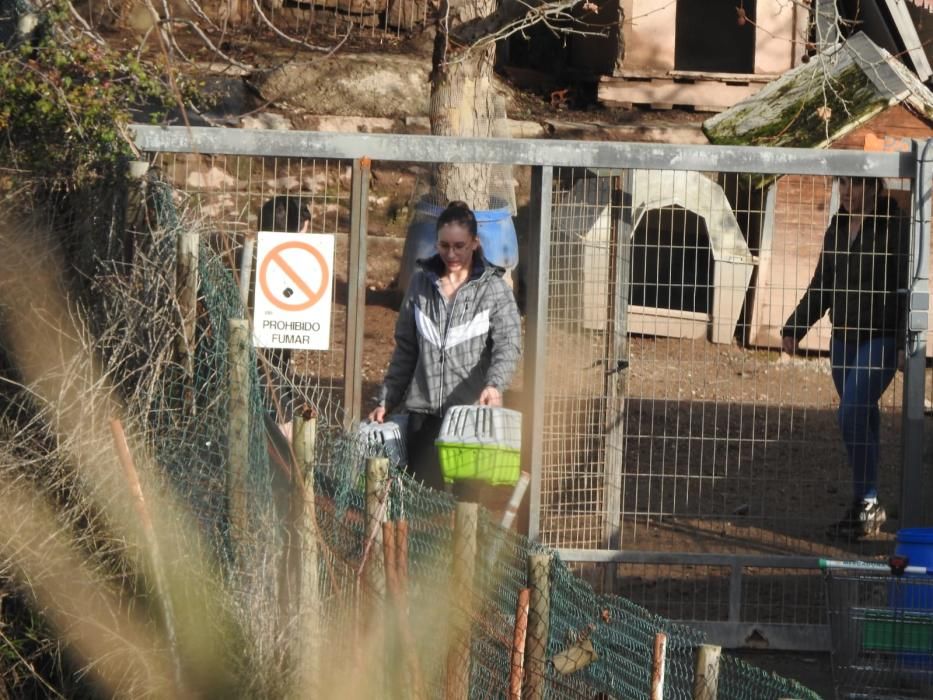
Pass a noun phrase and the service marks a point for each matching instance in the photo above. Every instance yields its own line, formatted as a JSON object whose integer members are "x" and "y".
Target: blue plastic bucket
{"x": 496, "y": 234}
{"x": 913, "y": 602}
{"x": 916, "y": 543}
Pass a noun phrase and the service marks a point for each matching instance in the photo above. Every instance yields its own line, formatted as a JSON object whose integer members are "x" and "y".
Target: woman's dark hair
{"x": 458, "y": 212}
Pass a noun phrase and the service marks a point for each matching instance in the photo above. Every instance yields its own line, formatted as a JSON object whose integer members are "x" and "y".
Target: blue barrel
{"x": 916, "y": 543}
{"x": 913, "y": 602}
{"x": 496, "y": 234}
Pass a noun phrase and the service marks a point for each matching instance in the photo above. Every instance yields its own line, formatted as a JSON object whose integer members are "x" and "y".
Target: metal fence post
{"x": 356, "y": 293}
{"x": 539, "y": 230}
{"x": 918, "y": 299}
{"x": 617, "y": 353}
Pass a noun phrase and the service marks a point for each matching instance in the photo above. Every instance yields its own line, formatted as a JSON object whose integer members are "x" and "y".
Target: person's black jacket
{"x": 863, "y": 285}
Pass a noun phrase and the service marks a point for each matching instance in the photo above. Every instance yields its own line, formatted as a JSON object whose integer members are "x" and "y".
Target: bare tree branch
{"x": 515, "y": 16}
{"x": 85, "y": 27}
{"x": 509, "y": 14}
{"x": 201, "y": 15}
{"x": 207, "y": 42}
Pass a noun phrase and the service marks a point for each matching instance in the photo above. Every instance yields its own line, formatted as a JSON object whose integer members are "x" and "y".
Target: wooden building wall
{"x": 711, "y": 67}
{"x": 649, "y": 29}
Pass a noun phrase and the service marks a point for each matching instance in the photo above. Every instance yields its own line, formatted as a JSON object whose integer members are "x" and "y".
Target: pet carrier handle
{"x": 897, "y": 565}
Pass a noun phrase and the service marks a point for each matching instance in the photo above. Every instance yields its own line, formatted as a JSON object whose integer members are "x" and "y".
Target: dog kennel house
{"x": 688, "y": 266}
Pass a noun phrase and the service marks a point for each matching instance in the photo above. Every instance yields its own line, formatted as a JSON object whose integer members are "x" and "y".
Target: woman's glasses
{"x": 457, "y": 247}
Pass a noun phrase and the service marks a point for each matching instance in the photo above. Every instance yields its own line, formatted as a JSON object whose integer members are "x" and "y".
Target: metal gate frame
{"x": 543, "y": 157}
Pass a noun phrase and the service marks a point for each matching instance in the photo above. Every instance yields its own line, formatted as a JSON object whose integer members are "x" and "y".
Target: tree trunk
{"x": 463, "y": 103}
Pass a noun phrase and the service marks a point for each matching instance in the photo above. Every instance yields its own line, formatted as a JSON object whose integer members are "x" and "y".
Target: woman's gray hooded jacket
{"x": 446, "y": 353}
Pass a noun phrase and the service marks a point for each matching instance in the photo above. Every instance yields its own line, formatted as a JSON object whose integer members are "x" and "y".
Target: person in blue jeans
{"x": 861, "y": 279}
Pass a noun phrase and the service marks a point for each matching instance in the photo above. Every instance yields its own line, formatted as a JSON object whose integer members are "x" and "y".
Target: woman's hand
{"x": 789, "y": 344}
{"x": 490, "y": 397}
{"x": 378, "y": 414}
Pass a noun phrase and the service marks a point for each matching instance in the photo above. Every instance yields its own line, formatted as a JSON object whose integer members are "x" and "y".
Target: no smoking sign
{"x": 294, "y": 290}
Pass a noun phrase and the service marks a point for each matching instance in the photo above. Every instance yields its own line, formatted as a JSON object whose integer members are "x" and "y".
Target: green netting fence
{"x": 128, "y": 257}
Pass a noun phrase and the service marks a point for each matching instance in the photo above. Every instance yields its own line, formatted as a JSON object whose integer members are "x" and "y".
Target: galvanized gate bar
{"x": 732, "y": 632}
{"x": 627, "y": 556}
{"x": 356, "y": 293}
{"x": 539, "y": 229}
{"x": 505, "y": 151}
{"x": 917, "y": 326}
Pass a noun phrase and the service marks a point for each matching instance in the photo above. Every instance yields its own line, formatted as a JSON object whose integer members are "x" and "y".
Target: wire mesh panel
{"x": 693, "y": 394}
{"x": 227, "y": 193}
{"x": 586, "y": 362}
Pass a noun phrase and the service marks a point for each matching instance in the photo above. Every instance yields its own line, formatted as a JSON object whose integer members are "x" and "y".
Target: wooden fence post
{"x": 658, "y": 666}
{"x": 135, "y": 207}
{"x": 412, "y": 662}
{"x": 539, "y": 622}
{"x": 238, "y": 346}
{"x": 304, "y": 439}
{"x": 519, "y": 636}
{"x": 310, "y": 618}
{"x": 246, "y": 268}
{"x": 461, "y": 601}
{"x": 371, "y": 660}
{"x": 186, "y": 290}
{"x": 706, "y": 674}
{"x": 377, "y": 473}
{"x": 392, "y": 651}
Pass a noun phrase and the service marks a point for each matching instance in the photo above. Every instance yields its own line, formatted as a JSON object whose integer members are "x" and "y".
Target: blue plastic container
{"x": 913, "y": 602}
{"x": 496, "y": 234}
{"x": 916, "y": 543}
